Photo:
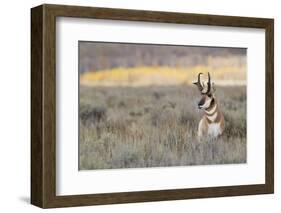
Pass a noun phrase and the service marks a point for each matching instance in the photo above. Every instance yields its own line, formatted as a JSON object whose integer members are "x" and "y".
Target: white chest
{"x": 214, "y": 129}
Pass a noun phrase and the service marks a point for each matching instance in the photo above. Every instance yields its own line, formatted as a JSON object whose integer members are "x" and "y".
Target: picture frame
{"x": 43, "y": 105}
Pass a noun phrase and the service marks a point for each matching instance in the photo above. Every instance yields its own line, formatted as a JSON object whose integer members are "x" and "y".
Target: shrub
{"x": 92, "y": 115}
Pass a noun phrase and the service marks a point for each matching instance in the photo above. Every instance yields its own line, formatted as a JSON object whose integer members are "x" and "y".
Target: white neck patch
{"x": 213, "y": 117}
{"x": 212, "y": 110}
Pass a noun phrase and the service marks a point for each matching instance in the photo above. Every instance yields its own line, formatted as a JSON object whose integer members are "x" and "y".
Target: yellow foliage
{"x": 157, "y": 75}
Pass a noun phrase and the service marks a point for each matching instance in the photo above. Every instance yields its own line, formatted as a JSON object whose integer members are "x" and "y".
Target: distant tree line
{"x": 95, "y": 56}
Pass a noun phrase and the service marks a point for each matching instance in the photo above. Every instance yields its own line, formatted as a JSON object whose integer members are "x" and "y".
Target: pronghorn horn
{"x": 198, "y": 83}
{"x": 208, "y": 84}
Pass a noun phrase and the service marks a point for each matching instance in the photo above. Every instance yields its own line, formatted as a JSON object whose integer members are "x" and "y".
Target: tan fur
{"x": 217, "y": 124}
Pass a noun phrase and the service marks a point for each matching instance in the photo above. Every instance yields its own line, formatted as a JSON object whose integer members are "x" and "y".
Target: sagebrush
{"x": 156, "y": 126}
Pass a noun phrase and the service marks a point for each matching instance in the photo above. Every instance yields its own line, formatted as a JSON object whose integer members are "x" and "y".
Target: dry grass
{"x": 130, "y": 127}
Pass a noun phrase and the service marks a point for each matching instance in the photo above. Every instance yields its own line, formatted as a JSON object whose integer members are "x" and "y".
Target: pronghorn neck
{"x": 212, "y": 112}
{"x": 211, "y": 107}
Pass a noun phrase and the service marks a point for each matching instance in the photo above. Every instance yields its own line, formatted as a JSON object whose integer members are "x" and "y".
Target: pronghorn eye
{"x": 209, "y": 95}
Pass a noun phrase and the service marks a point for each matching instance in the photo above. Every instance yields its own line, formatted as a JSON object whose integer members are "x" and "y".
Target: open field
{"x": 151, "y": 126}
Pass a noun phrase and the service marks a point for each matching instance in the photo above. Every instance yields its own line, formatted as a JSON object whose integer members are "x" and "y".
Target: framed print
{"x": 136, "y": 106}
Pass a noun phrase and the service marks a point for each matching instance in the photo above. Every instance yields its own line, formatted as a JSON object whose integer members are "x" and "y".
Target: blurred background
{"x": 120, "y": 64}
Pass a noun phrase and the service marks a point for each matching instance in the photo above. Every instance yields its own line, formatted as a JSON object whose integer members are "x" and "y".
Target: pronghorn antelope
{"x": 212, "y": 124}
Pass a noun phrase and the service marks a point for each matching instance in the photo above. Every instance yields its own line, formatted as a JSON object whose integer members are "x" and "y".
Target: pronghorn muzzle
{"x": 201, "y": 102}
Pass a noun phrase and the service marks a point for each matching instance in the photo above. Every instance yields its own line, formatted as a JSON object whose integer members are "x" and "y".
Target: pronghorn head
{"x": 207, "y": 93}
